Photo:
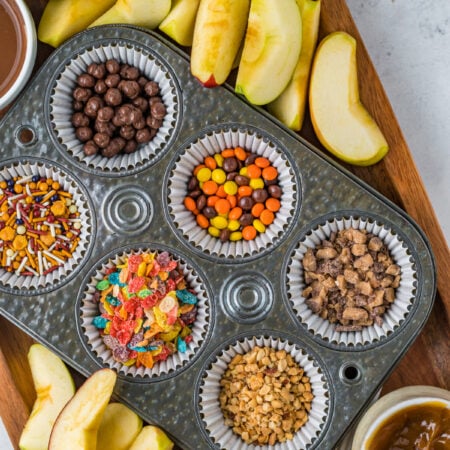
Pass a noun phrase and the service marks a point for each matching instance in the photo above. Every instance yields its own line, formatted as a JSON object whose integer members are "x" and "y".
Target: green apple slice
{"x": 54, "y": 388}
{"x": 290, "y": 106}
{"x": 152, "y": 437}
{"x": 118, "y": 428}
{"x": 77, "y": 425}
{"x": 341, "y": 122}
{"x": 179, "y": 23}
{"x": 271, "y": 50}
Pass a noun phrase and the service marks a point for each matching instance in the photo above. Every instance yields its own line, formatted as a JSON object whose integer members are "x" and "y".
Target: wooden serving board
{"x": 427, "y": 362}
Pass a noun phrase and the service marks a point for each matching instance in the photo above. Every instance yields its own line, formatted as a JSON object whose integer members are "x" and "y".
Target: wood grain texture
{"x": 427, "y": 362}
{"x": 15, "y": 397}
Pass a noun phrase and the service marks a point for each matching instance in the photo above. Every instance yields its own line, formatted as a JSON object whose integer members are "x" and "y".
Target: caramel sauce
{"x": 418, "y": 427}
{"x": 13, "y": 42}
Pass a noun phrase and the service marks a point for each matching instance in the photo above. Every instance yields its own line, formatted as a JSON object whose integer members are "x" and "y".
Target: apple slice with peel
{"x": 289, "y": 107}
{"x": 143, "y": 13}
{"x": 118, "y": 428}
{"x": 271, "y": 50}
{"x": 152, "y": 438}
{"x": 54, "y": 388}
{"x": 179, "y": 23}
{"x": 62, "y": 19}
{"x": 218, "y": 32}
{"x": 77, "y": 425}
{"x": 341, "y": 122}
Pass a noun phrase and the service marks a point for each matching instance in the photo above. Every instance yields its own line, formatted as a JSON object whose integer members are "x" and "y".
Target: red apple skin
{"x": 218, "y": 33}
{"x": 209, "y": 83}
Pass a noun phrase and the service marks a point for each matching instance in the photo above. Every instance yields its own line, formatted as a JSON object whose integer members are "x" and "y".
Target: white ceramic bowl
{"x": 30, "y": 55}
{"x": 389, "y": 404}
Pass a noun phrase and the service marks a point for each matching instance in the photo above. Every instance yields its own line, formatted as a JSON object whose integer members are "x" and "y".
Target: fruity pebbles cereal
{"x": 146, "y": 309}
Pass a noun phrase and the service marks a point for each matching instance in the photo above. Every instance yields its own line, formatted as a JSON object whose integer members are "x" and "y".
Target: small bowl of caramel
{"x": 19, "y": 46}
{"x": 413, "y": 417}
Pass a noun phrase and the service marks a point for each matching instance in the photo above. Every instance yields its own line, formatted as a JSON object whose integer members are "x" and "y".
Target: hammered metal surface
{"x": 52, "y": 317}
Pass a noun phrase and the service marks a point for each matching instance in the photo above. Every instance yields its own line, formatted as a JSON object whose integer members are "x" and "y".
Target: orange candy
{"x": 222, "y": 206}
{"x": 257, "y": 209}
{"x": 235, "y": 213}
{"x": 253, "y": 171}
{"x": 240, "y": 153}
{"x": 273, "y": 204}
{"x": 245, "y": 191}
{"x": 209, "y": 187}
{"x": 211, "y": 200}
{"x": 210, "y": 162}
{"x": 269, "y": 173}
{"x": 202, "y": 221}
{"x": 228, "y": 153}
{"x": 249, "y": 232}
{"x": 266, "y": 217}
{"x": 262, "y": 162}
{"x": 232, "y": 199}
{"x": 221, "y": 192}
{"x": 190, "y": 204}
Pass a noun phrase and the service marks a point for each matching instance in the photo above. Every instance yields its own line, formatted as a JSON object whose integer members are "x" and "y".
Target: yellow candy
{"x": 219, "y": 176}
{"x": 204, "y": 174}
{"x": 219, "y": 159}
{"x": 259, "y": 226}
{"x": 256, "y": 183}
{"x": 230, "y": 187}
{"x": 219, "y": 222}
{"x": 233, "y": 225}
{"x": 235, "y": 236}
{"x": 243, "y": 171}
{"x": 213, "y": 231}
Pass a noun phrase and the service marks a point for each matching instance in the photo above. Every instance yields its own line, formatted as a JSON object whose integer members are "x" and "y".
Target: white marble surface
{"x": 409, "y": 44}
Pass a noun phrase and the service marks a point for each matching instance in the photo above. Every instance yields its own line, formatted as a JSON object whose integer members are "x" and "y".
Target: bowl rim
{"x": 392, "y": 402}
{"x": 30, "y": 54}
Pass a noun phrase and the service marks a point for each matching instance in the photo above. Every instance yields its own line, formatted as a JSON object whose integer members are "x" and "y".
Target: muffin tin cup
{"x": 61, "y": 107}
{"x": 209, "y": 407}
{"x": 161, "y": 369}
{"x": 214, "y": 141}
{"x": 22, "y": 284}
{"x": 394, "y": 316}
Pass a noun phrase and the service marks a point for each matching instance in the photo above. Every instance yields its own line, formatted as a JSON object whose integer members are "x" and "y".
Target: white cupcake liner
{"x": 212, "y": 143}
{"x": 89, "y": 310}
{"x": 395, "y": 314}
{"x": 211, "y": 413}
{"x": 61, "y": 106}
{"x": 59, "y": 275}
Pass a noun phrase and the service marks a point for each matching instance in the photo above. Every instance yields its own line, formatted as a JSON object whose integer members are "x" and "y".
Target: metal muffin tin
{"x": 246, "y": 296}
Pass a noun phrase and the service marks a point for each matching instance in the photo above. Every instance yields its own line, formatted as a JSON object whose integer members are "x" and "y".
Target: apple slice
{"x": 271, "y": 50}
{"x": 118, "y": 428}
{"x": 218, "y": 32}
{"x": 153, "y": 438}
{"x": 290, "y": 106}
{"x": 62, "y": 19}
{"x": 77, "y": 425}
{"x": 54, "y": 388}
{"x": 179, "y": 23}
{"x": 341, "y": 122}
{"x": 143, "y": 13}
